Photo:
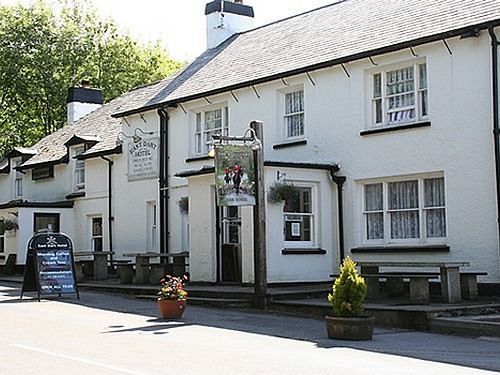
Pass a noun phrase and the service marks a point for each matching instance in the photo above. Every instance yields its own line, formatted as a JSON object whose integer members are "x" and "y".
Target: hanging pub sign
{"x": 234, "y": 175}
{"x": 143, "y": 159}
{"x": 49, "y": 265}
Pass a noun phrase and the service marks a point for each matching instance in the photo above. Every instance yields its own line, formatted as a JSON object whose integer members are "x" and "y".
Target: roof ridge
{"x": 293, "y": 16}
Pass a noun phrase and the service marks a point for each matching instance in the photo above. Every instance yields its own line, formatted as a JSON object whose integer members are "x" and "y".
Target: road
{"x": 111, "y": 334}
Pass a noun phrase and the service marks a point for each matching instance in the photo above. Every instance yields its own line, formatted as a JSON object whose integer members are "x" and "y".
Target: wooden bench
{"x": 468, "y": 283}
{"x": 419, "y": 284}
{"x": 125, "y": 272}
{"x": 157, "y": 271}
{"x": 84, "y": 269}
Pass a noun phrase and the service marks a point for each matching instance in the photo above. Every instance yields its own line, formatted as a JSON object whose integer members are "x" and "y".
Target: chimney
{"x": 225, "y": 18}
{"x": 82, "y": 100}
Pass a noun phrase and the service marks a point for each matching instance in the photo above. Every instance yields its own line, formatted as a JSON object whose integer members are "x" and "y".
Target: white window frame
{"x": 314, "y": 215}
{"x": 78, "y": 170}
{"x": 386, "y": 212}
{"x": 298, "y": 112}
{"x": 202, "y": 133}
{"x": 18, "y": 179}
{"x": 152, "y": 226}
{"x": 94, "y": 236}
{"x": 2, "y": 240}
{"x": 380, "y": 97}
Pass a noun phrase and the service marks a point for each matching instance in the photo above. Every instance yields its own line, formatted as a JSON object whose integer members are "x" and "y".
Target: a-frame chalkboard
{"x": 50, "y": 267}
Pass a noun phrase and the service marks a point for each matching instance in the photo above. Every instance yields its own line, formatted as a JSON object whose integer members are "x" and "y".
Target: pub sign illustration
{"x": 235, "y": 175}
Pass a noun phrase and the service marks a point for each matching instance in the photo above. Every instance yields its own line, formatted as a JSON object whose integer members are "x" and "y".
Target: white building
{"x": 380, "y": 113}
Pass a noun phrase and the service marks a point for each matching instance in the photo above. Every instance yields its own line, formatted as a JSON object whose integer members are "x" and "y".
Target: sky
{"x": 180, "y": 24}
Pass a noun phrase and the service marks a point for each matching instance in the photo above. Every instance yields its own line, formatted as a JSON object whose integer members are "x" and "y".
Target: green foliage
{"x": 348, "y": 291}
{"x": 282, "y": 191}
{"x": 44, "y": 51}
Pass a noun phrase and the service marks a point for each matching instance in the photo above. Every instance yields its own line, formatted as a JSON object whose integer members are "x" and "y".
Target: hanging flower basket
{"x": 281, "y": 191}
{"x": 8, "y": 225}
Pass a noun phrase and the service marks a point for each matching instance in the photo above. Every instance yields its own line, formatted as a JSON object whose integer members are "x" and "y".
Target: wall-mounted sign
{"x": 143, "y": 159}
{"x": 235, "y": 175}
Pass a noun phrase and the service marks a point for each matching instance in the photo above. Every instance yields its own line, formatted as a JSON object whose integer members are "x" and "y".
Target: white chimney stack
{"x": 226, "y": 18}
{"x": 82, "y": 100}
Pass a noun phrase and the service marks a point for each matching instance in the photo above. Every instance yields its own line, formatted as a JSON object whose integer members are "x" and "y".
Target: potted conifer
{"x": 348, "y": 294}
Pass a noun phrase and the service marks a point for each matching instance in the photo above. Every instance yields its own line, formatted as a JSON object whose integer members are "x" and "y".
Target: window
{"x": 405, "y": 210}
{"x": 79, "y": 171}
{"x": 44, "y": 221}
{"x": 208, "y": 123}
{"x": 97, "y": 234}
{"x": 152, "y": 223}
{"x": 2, "y": 237}
{"x": 298, "y": 217}
{"x": 18, "y": 180}
{"x": 400, "y": 96}
{"x": 41, "y": 173}
{"x": 294, "y": 114}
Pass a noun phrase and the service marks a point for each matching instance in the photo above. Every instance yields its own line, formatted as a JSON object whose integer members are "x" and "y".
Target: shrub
{"x": 348, "y": 291}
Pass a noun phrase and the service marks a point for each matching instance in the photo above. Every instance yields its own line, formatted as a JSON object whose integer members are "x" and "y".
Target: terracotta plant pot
{"x": 354, "y": 328}
{"x": 171, "y": 309}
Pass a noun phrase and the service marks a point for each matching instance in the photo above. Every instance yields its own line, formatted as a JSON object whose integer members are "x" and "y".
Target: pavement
{"x": 114, "y": 334}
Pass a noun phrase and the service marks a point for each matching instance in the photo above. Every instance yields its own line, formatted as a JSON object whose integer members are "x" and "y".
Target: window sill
{"x": 198, "y": 158}
{"x": 402, "y": 249}
{"x": 302, "y": 251}
{"x": 394, "y": 128}
{"x": 78, "y": 194}
{"x": 300, "y": 142}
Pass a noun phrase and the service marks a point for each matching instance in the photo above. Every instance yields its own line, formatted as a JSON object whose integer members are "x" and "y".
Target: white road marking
{"x": 76, "y": 359}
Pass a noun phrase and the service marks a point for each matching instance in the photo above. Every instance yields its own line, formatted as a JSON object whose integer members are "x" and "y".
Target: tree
{"x": 44, "y": 51}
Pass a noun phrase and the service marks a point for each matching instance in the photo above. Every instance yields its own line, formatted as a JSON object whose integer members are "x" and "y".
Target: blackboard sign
{"x": 49, "y": 266}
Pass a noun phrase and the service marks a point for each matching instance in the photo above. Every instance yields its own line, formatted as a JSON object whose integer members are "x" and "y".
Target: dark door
{"x": 229, "y": 222}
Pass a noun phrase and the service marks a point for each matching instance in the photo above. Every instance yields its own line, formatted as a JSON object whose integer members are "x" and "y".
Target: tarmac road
{"x": 110, "y": 334}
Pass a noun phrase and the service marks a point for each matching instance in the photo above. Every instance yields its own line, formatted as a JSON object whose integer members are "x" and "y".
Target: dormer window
{"x": 18, "y": 180}
{"x": 79, "y": 169}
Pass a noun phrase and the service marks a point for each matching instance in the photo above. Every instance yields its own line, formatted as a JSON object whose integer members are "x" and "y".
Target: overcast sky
{"x": 180, "y": 24}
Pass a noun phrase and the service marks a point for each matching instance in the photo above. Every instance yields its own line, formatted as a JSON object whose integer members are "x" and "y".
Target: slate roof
{"x": 98, "y": 128}
{"x": 333, "y": 34}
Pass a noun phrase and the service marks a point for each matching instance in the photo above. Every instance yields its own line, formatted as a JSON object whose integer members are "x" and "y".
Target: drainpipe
{"x": 339, "y": 180}
{"x": 163, "y": 181}
{"x": 496, "y": 130}
{"x": 110, "y": 207}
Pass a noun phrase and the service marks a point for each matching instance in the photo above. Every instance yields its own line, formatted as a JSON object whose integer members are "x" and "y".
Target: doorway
{"x": 229, "y": 244}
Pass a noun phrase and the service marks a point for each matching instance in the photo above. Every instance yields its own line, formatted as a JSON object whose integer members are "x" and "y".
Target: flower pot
{"x": 353, "y": 328}
{"x": 171, "y": 309}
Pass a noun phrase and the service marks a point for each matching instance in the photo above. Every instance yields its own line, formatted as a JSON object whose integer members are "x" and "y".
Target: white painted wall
{"x": 458, "y": 144}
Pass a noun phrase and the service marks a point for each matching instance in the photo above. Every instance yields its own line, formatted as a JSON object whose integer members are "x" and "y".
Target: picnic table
{"x": 449, "y": 273}
{"x": 143, "y": 262}
{"x": 99, "y": 263}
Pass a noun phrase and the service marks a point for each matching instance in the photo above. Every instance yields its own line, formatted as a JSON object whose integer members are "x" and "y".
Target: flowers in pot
{"x": 347, "y": 297}
{"x": 172, "y": 296}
